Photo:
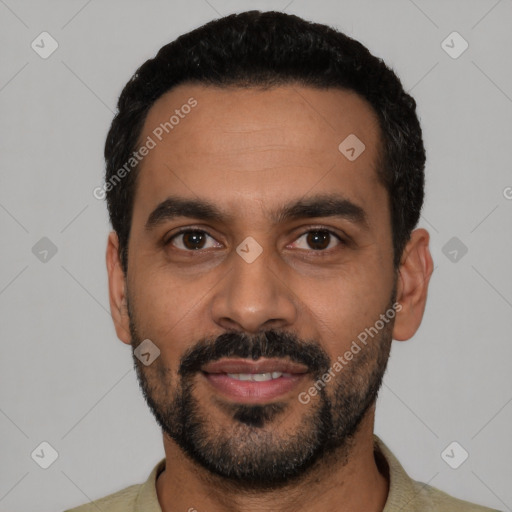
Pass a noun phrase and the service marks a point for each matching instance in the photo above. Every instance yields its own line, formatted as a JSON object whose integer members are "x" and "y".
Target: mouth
{"x": 254, "y": 382}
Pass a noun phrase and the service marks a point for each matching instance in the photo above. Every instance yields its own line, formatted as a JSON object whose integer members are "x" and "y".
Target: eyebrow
{"x": 325, "y": 205}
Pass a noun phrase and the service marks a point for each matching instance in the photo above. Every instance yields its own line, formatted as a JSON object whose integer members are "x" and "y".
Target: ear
{"x": 413, "y": 277}
{"x": 117, "y": 290}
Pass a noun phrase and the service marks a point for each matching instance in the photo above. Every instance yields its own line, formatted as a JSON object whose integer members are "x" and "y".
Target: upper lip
{"x": 249, "y": 366}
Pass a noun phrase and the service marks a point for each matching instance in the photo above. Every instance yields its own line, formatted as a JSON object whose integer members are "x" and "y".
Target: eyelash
{"x": 310, "y": 230}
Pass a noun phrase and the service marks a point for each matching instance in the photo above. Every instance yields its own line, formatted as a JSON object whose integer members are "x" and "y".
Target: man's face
{"x": 293, "y": 266}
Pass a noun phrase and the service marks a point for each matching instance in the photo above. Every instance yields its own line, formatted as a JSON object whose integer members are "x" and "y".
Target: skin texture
{"x": 249, "y": 152}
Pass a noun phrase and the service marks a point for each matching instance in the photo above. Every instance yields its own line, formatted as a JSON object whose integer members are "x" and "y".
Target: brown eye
{"x": 190, "y": 240}
{"x": 318, "y": 240}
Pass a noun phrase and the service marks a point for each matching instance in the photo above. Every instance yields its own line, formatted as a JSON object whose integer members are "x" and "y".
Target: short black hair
{"x": 253, "y": 49}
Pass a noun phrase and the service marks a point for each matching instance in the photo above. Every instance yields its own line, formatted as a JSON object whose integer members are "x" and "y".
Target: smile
{"x": 258, "y": 377}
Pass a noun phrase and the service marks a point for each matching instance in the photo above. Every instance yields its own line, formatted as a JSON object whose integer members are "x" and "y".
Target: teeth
{"x": 258, "y": 377}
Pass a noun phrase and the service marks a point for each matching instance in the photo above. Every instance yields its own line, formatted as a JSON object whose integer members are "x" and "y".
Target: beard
{"x": 253, "y": 453}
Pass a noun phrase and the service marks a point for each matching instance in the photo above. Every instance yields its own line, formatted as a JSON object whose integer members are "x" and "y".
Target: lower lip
{"x": 251, "y": 391}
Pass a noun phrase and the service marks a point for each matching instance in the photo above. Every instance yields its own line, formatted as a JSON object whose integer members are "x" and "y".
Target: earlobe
{"x": 117, "y": 290}
{"x": 412, "y": 287}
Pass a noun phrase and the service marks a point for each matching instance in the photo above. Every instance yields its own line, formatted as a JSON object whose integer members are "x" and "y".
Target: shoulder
{"x": 137, "y": 497}
{"x": 408, "y": 494}
{"x": 120, "y": 501}
{"x": 431, "y": 498}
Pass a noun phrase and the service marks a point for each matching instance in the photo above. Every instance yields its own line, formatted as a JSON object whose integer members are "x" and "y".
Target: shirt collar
{"x": 401, "y": 494}
{"x": 147, "y": 499}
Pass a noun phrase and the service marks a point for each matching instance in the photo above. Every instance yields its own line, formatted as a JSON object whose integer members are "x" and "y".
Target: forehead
{"x": 230, "y": 145}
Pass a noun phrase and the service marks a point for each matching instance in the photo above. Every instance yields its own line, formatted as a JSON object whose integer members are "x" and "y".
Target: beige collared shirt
{"x": 405, "y": 494}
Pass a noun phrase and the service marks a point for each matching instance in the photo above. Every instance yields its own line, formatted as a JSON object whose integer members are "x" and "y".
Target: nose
{"x": 254, "y": 296}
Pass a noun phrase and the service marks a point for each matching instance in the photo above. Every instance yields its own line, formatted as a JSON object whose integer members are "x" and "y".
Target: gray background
{"x": 67, "y": 380}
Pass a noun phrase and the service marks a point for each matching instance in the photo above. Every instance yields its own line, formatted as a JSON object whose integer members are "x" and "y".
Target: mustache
{"x": 269, "y": 344}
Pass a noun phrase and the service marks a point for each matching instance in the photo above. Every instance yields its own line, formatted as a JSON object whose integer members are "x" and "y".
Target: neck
{"x": 348, "y": 481}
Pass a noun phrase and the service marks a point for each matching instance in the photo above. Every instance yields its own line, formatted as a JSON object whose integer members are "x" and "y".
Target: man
{"x": 264, "y": 179}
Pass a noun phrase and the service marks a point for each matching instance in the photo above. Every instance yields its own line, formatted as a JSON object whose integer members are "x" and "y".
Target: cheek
{"x": 345, "y": 304}
{"x": 165, "y": 307}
